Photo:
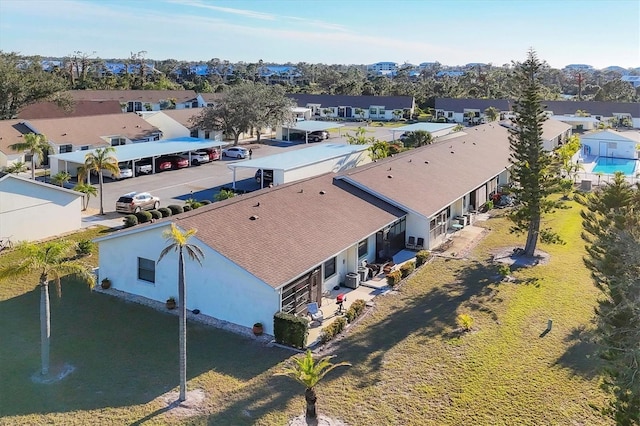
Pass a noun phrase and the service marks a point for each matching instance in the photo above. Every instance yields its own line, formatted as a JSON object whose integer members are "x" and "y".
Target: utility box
{"x": 585, "y": 185}
{"x": 352, "y": 280}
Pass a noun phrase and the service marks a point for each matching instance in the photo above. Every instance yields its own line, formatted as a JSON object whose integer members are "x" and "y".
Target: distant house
{"x": 143, "y": 100}
{"x": 24, "y": 203}
{"x": 175, "y": 123}
{"x": 356, "y": 107}
{"x": 611, "y": 143}
{"x": 78, "y": 109}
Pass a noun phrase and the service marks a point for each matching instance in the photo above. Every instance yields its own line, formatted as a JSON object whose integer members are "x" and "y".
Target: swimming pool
{"x": 609, "y": 166}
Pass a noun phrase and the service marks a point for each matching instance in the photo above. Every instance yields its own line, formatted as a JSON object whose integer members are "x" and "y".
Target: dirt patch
{"x": 322, "y": 421}
{"x": 193, "y": 406}
{"x": 513, "y": 256}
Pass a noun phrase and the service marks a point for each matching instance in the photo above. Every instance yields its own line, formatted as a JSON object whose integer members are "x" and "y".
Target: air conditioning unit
{"x": 352, "y": 280}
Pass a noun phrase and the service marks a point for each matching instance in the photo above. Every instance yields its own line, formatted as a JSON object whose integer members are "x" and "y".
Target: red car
{"x": 214, "y": 154}
{"x": 163, "y": 164}
{"x": 176, "y": 162}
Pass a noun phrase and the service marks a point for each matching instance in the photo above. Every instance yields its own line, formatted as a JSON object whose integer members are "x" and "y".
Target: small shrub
{"x": 165, "y": 211}
{"x": 155, "y": 214}
{"x": 175, "y": 209}
{"x": 130, "y": 220}
{"x": 196, "y": 205}
{"x": 205, "y": 202}
{"x": 465, "y": 321}
{"x": 143, "y": 216}
{"x": 421, "y": 257}
{"x": 290, "y": 329}
{"x": 407, "y": 268}
{"x": 504, "y": 270}
{"x": 488, "y": 205}
{"x": 333, "y": 329}
{"x": 187, "y": 208}
{"x": 394, "y": 278}
{"x": 355, "y": 310}
{"x": 84, "y": 247}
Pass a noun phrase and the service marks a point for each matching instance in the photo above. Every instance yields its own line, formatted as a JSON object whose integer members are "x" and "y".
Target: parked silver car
{"x": 134, "y": 202}
{"x": 235, "y": 152}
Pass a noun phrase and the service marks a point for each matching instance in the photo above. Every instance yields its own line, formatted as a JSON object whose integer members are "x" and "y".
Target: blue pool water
{"x": 609, "y": 166}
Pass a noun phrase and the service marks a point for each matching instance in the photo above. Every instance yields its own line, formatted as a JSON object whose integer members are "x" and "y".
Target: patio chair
{"x": 420, "y": 244}
{"x": 411, "y": 244}
{"x": 315, "y": 312}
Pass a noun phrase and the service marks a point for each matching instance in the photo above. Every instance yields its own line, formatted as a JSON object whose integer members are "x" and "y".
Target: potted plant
{"x": 105, "y": 283}
{"x": 171, "y": 303}
{"x": 258, "y": 329}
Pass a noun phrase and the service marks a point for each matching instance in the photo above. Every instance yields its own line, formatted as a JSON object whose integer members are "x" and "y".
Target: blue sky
{"x": 452, "y": 32}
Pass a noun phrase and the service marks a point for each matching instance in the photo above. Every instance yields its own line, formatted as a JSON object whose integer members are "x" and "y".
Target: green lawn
{"x": 409, "y": 367}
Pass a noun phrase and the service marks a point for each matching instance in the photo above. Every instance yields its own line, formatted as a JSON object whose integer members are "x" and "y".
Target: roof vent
{"x": 301, "y": 191}
{"x": 322, "y": 192}
{"x": 453, "y": 152}
{"x": 426, "y": 162}
{"x": 64, "y": 134}
{"x": 390, "y": 176}
{"x": 254, "y": 217}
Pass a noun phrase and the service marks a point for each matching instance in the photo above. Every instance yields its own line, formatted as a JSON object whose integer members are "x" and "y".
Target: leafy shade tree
{"x": 16, "y": 167}
{"x": 531, "y": 164}
{"x": 61, "y": 178}
{"x": 611, "y": 223}
{"x": 52, "y": 261}
{"x": 271, "y": 107}
{"x": 37, "y": 146}
{"x": 308, "y": 373}
{"x": 492, "y": 113}
{"x": 88, "y": 190}
{"x": 224, "y": 194}
{"x": 179, "y": 242}
{"x": 23, "y": 82}
{"x": 419, "y": 138}
{"x": 98, "y": 161}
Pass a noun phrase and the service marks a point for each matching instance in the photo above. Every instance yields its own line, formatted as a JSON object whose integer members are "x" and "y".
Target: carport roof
{"x": 427, "y": 127}
{"x": 301, "y": 157}
{"x": 313, "y": 126}
{"x": 137, "y": 151}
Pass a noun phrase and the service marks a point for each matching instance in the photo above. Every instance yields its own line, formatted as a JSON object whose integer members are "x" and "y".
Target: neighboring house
{"x": 210, "y": 99}
{"x": 381, "y": 68}
{"x": 25, "y": 204}
{"x": 175, "y": 123}
{"x": 457, "y": 110}
{"x": 577, "y": 122}
{"x": 143, "y": 100}
{"x": 633, "y": 79}
{"x": 78, "y": 109}
{"x": 288, "y": 244}
{"x": 356, "y": 107}
{"x": 11, "y": 132}
{"x": 611, "y": 143}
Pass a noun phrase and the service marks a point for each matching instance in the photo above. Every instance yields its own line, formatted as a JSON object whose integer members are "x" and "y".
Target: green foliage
{"x": 16, "y": 167}
{"x": 61, "y": 178}
{"x": 35, "y": 144}
{"x": 88, "y": 190}
{"x": 407, "y": 268}
{"x": 143, "y": 216}
{"x": 84, "y": 247}
{"x": 192, "y": 203}
{"x": 418, "y": 138}
{"x": 308, "y": 372}
{"x": 155, "y": 214}
{"x": 290, "y": 330}
{"x": 394, "y": 149}
{"x": 97, "y": 161}
{"x": 187, "y": 208}
{"x": 394, "y": 278}
{"x": 224, "y": 194}
{"x": 355, "y": 310}
{"x": 130, "y": 220}
{"x": 165, "y": 211}
{"x": 492, "y": 113}
{"x": 175, "y": 209}
{"x": 422, "y": 257}
{"x": 465, "y": 322}
{"x": 488, "y": 205}
{"x": 504, "y": 270}
{"x": 333, "y": 329}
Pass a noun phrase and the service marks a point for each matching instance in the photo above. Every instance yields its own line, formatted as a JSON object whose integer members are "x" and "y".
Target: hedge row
{"x": 290, "y": 330}
{"x": 333, "y": 329}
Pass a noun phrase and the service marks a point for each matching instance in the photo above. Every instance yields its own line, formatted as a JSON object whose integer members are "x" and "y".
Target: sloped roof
{"x": 364, "y": 102}
{"x": 7, "y": 176}
{"x": 451, "y": 104}
{"x": 183, "y": 116}
{"x": 211, "y": 98}
{"x": 631, "y": 135}
{"x": 557, "y": 107}
{"x": 92, "y": 130}
{"x": 79, "y": 109}
{"x": 151, "y": 96}
{"x": 11, "y": 132}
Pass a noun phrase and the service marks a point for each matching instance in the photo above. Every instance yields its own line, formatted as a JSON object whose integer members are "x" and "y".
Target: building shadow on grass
{"x": 124, "y": 353}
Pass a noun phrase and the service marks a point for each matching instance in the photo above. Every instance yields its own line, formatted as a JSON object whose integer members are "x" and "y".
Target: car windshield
{"x": 125, "y": 200}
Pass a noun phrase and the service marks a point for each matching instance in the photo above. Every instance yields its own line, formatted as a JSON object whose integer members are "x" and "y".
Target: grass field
{"x": 409, "y": 365}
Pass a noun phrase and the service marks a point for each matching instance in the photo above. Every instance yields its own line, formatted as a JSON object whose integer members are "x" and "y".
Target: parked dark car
{"x": 322, "y": 133}
{"x": 268, "y": 176}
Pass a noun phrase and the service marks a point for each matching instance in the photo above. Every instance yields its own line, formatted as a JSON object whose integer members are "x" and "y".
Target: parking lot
{"x": 204, "y": 181}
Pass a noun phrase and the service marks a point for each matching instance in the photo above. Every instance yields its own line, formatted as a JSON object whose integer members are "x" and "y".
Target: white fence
{"x": 597, "y": 180}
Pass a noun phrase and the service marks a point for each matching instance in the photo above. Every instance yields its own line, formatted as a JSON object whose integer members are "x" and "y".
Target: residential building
{"x": 356, "y": 107}
{"x": 143, "y": 100}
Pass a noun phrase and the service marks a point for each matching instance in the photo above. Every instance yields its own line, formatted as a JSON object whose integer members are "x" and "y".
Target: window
{"x": 194, "y": 133}
{"x": 207, "y": 134}
{"x": 329, "y": 268}
{"x": 373, "y": 111}
{"x": 146, "y": 270}
{"x": 449, "y": 114}
{"x": 118, "y": 141}
{"x": 381, "y": 111}
{"x": 66, "y": 148}
{"x": 363, "y": 248}
{"x": 84, "y": 148}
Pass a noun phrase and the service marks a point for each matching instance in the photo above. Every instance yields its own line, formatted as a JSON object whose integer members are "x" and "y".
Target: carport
{"x": 307, "y": 162}
{"x": 436, "y": 129}
{"x": 134, "y": 152}
{"x": 310, "y": 126}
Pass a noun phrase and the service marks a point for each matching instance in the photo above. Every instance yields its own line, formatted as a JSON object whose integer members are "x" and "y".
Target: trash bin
{"x": 363, "y": 272}
{"x": 352, "y": 280}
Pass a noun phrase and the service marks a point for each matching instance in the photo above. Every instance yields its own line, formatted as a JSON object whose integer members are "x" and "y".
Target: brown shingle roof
{"x": 152, "y": 96}
{"x": 92, "y": 130}
{"x": 79, "y": 109}
{"x": 297, "y": 228}
{"x": 428, "y": 179}
{"x": 182, "y": 116}
{"x": 11, "y": 132}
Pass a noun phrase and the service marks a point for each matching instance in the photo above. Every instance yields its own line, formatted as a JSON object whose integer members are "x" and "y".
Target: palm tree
{"x": 37, "y": 146}
{"x": 97, "y": 161}
{"x": 61, "y": 178}
{"x": 88, "y": 190}
{"x": 52, "y": 260}
{"x": 419, "y": 138}
{"x": 308, "y": 373}
{"x": 492, "y": 113}
{"x": 17, "y": 167}
{"x": 378, "y": 150}
{"x": 179, "y": 241}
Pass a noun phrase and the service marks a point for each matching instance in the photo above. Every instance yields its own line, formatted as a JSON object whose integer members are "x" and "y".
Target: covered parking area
{"x": 70, "y": 161}
{"x": 436, "y": 129}
{"x": 306, "y": 127}
{"x": 307, "y": 162}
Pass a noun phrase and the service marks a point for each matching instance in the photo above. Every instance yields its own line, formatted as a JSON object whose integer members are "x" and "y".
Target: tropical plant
{"x": 37, "y": 145}
{"x": 88, "y": 190}
{"x": 379, "y": 150}
{"x": 359, "y": 112}
{"x": 179, "y": 242}
{"x": 492, "y": 113}
{"x": 308, "y": 373}
{"x": 16, "y": 167}
{"x": 51, "y": 261}
{"x": 465, "y": 322}
{"x": 360, "y": 137}
{"x": 224, "y": 194}
{"x": 98, "y": 161}
{"x": 61, "y": 178}
{"x": 418, "y": 138}
{"x": 458, "y": 128}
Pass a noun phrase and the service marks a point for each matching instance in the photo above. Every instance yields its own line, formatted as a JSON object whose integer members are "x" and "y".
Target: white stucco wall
{"x": 24, "y": 205}
{"x": 332, "y": 165}
{"x": 599, "y": 144}
{"x": 219, "y": 288}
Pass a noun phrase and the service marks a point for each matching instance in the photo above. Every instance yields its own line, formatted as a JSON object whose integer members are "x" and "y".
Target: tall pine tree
{"x": 531, "y": 169}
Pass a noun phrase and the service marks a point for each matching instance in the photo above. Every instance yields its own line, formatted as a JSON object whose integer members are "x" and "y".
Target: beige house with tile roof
{"x": 143, "y": 100}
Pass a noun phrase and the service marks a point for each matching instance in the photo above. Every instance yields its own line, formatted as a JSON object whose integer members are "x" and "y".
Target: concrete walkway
{"x": 109, "y": 219}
